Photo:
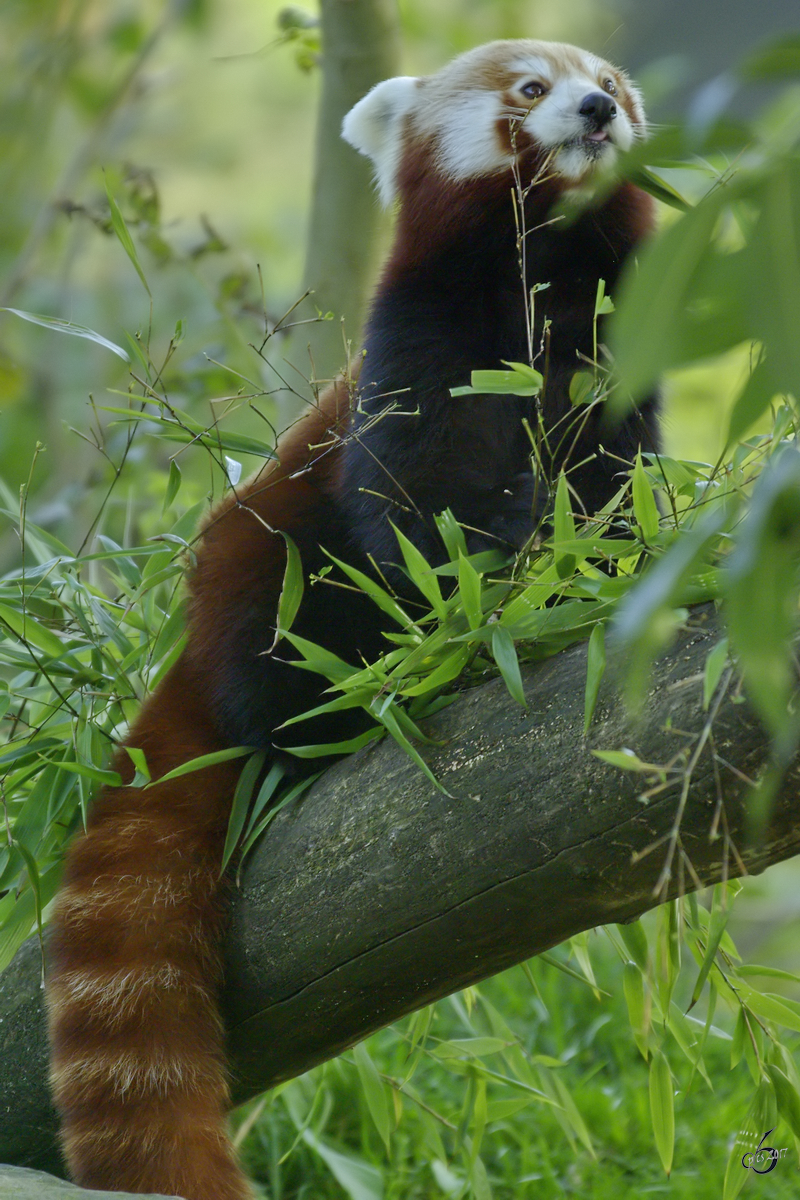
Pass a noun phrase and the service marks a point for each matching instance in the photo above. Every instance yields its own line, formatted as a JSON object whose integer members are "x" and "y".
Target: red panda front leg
{"x": 138, "y": 1069}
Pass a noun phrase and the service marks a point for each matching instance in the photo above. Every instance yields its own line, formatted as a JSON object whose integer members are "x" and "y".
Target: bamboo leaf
{"x": 324, "y": 749}
{"x": 379, "y": 595}
{"x": 29, "y": 630}
{"x": 59, "y": 326}
{"x": 716, "y": 928}
{"x": 241, "y": 804}
{"x": 124, "y": 237}
{"x": 292, "y": 590}
{"x": 787, "y": 1096}
{"x": 421, "y": 574}
{"x": 595, "y": 669}
{"x": 374, "y": 1092}
{"x": 644, "y": 504}
{"x": 662, "y": 1109}
{"x": 469, "y": 589}
{"x": 203, "y": 761}
{"x": 504, "y": 653}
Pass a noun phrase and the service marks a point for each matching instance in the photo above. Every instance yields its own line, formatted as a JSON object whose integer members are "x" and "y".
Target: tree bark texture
{"x": 360, "y": 47}
{"x": 377, "y": 894}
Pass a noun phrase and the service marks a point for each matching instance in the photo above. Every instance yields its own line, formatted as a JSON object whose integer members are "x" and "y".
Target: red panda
{"x": 138, "y": 1070}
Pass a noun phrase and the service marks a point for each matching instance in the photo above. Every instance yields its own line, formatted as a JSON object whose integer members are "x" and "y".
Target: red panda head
{"x": 572, "y": 111}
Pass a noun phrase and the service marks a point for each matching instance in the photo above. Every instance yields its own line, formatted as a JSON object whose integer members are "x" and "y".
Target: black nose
{"x": 599, "y": 108}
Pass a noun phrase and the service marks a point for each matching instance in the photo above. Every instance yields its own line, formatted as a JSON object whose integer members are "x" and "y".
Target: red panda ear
{"x": 375, "y": 127}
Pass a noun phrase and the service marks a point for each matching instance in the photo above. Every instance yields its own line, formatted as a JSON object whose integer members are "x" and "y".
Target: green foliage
{"x": 479, "y": 1096}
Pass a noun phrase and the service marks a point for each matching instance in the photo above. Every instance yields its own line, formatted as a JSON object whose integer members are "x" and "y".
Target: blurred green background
{"x": 199, "y": 117}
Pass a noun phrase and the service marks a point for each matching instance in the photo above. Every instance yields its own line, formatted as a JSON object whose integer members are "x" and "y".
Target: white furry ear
{"x": 375, "y": 125}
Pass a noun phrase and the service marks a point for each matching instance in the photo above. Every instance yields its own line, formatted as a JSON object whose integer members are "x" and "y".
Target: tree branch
{"x": 377, "y": 894}
{"x": 360, "y": 47}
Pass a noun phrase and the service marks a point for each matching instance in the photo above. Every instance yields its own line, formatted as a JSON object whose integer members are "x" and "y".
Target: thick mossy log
{"x": 377, "y": 894}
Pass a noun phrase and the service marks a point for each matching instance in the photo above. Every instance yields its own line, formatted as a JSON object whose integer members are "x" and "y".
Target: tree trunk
{"x": 377, "y": 894}
{"x": 360, "y": 47}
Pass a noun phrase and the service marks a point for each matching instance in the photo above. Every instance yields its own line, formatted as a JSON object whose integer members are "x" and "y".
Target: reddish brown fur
{"x": 142, "y": 894}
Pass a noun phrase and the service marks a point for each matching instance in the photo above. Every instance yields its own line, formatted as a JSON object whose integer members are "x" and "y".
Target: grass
{"x": 526, "y": 1153}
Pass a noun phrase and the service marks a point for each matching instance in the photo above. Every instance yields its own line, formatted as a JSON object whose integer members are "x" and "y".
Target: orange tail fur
{"x": 138, "y": 1068}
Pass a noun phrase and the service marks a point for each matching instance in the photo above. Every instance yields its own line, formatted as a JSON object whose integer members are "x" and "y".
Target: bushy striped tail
{"x": 138, "y": 1068}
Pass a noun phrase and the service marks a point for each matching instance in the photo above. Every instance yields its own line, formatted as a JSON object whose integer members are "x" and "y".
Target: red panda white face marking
{"x": 578, "y": 110}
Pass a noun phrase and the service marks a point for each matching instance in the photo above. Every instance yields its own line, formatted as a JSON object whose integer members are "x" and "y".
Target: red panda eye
{"x": 610, "y": 88}
{"x": 533, "y": 90}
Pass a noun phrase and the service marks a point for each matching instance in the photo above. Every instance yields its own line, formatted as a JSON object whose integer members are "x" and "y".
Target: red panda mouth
{"x": 592, "y": 144}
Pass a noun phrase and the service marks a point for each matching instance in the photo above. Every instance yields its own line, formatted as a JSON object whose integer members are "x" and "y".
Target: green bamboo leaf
{"x": 356, "y": 698}
{"x": 595, "y": 669}
{"x": 374, "y": 1092}
{"x": 18, "y": 913}
{"x": 772, "y": 1008}
{"x": 516, "y": 382}
{"x": 256, "y": 827}
{"x": 106, "y": 778}
{"x": 635, "y": 939}
{"x": 173, "y": 484}
{"x": 33, "y": 749}
{"x": 644, "y": 504}
{"x": 275, "y": 775}
{"x": 317, "y": 658}
{"x": 359, "y": 1179}
{"x": 451, "y": 534}
{"x": 738, "y": 1039}
{"x": 59, "y": 326}
{"x": 379, "y": 595}
{"x": 754, "y": 400}
{"x": 747, "y": 969}
{"x": 29, "y": 630}
{"x": 762, "y": 589}
{"x": 124, "y": 237}
{"x": 347, "y": 747}
{"x": 449, "y": 669}
{"x": 760, "y": 1118}
{"x": 479, "y": 1180}
{"x": 626, "y": 760}
{"x": 773, "y": 294}
{"x": 139, "y": 760}
{"x": 203, "y": 761}
{"x": 469, "y": 589}
{"x": 241, "y": 804}
{"x": 291, "y": 591}
{"x": 528, "y": 373}
{"x": 662, "y": 1109}
{"x": 787, "y": 1096}
{"x": 581, "y": 387}
{"x": 475, "y": 1047}
{"x": 421, "y": 574}
{"x": 602, "y": 304}
{"x": 716, "y": 928}
{"x": 572, "y": 1114}
{"x": 778, "y": 59}
{"x": 647, "y": 326}
{"x": 504, "y": 653}
{"x": 648, "y": 181}
{"x": 633, "y": 987}
{"x": 563, "y": 529}
{"x": 390, "y": 718}
{"x": 712, "y": 673}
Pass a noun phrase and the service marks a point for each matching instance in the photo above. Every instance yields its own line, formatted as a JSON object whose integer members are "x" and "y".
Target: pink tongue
{"x": 600, "y": 136}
